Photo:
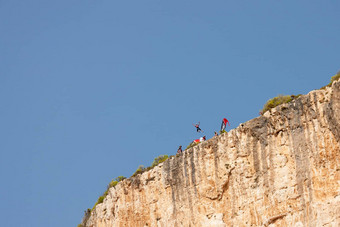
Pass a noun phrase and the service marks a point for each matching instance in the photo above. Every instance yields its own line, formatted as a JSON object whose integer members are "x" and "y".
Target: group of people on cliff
{"x": 203, "y": 138}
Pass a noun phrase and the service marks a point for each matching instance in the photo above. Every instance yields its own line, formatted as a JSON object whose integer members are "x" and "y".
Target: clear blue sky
{"x": 91, "y": 89}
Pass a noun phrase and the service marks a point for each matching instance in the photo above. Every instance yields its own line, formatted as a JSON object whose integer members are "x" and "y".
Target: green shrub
{"x": 158, "y": 160}
{"x": 222, "y": 131}
{"x": 295, "y": 96}
{"x": 113, "y": 183}
{"x": 335, "y": 77}
{"x": 139, "y": 170}
{"x": 87, "y": 215}
{"x": 192, "y": 144}
{"x": 271, "y": 103}
{"x": 100, "y": 200}
{"x": 142, "y": 169}
{"x": 147, "y": 168}
{"x": 120, "y": 178}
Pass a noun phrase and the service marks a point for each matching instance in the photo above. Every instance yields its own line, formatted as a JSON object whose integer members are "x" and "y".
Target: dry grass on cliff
{"x": 271, "y": 103}
{"x": 274, "y": 102}
{"x": 141, "y": 169}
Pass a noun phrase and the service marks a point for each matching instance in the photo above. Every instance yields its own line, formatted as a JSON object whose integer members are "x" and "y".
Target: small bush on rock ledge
{"x": 192, "y": 145}
{"x": 274, "y": 102}
{"x": 334, "y": 78}
{"x": 271, "y": 103}
{"x": 113, "y": 183}
{"x": 139, "y": 170}
{"x": 222, "y": 131}
{"x": 159, "y": 159}
{"x": 100, "y": 200}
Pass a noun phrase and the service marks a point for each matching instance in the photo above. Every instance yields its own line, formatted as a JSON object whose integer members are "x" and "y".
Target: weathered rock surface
{"x": 280, "y": 169}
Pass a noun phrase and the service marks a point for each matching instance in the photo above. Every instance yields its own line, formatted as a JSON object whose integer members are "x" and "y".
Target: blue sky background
{"x": 90, "y": 90}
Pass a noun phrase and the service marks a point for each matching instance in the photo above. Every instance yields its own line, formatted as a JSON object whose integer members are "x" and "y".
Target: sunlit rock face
{"x": 280, "y": 169}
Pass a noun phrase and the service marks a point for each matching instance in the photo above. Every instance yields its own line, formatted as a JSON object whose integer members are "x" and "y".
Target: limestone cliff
{"x": 279, "y": 169}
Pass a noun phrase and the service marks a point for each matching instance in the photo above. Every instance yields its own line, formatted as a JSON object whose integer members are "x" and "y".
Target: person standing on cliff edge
{"x": 224, "y": 124}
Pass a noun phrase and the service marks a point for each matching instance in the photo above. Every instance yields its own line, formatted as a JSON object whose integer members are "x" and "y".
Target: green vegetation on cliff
{"x": 271, "y": 103}
{"x": 192, "y": 144}
{"x": 140, "y": 170}
{"x": 156, "y": 161}
{"x": 278, "y": 100}
{"x": 333, "y": 78}
{"x": 113, "y": 183}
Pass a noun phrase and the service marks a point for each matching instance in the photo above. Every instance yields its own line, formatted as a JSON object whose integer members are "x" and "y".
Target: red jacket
{"x": 226, "y": 121}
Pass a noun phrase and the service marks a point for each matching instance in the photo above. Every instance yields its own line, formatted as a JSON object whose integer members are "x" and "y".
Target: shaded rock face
{"x": 280, "y": 169}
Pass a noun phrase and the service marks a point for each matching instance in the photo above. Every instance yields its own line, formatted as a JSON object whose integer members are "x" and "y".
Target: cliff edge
{"x": 279, "y": 169}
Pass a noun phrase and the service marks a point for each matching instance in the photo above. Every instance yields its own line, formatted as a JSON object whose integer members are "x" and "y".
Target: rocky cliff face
{"x": 279, "y": 169}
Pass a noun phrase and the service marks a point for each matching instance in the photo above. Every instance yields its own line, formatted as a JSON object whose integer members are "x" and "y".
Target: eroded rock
{"x": 280, "y": 169}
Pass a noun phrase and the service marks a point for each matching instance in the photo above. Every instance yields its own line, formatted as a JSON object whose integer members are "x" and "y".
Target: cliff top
{"x": 256, "y": 128}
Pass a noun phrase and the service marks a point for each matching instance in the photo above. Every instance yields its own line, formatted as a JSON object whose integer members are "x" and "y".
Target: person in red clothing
{"x": 224, "y": 124}
{"x": 197, "y": 126}
{"x": 200, "y": 140}
{"x": 179, "y": 150}
{"x": 197, "y": 141}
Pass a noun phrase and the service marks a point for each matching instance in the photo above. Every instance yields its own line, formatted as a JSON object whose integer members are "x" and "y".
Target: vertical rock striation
{"x": 279, "y": 169}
